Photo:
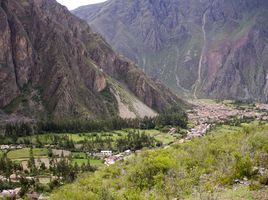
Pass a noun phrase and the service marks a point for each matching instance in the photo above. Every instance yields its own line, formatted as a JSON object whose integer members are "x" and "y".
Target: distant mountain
{"x": 53, "y": 66}
{"x": 208, "y": 48}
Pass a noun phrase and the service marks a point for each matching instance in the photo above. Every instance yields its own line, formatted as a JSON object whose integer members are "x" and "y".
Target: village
{"x": 205, "y": 115}
{"x": 110, "y": 159}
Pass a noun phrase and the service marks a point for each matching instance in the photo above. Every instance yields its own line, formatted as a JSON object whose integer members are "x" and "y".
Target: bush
{"x": 242, "y": 167}
{"x": 264, "y": 179}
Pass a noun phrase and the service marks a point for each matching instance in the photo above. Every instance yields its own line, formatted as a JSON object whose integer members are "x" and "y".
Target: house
{"x": 11, "y": 194}
{"x": 111, "y": 160}
{"x": 128, "y": 152}
{"x": 106, "y": 153}
{"x": 2, "y": 178}
{"x": 14, "y": 178}
{"x": 29, "y": 178}
{"x": 4, "y": 147}
{"x": 8, "y": 194}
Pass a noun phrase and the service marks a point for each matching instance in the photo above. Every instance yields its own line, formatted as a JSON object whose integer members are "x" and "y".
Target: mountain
{"x": 209, "y": 48}
{"x": 52, "y": 66}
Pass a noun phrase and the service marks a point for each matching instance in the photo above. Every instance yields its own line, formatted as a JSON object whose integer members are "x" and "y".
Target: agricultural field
{"x": 41, "y": 156}
{"x": 96, "y": 163}
{"x": 25, "y": 153}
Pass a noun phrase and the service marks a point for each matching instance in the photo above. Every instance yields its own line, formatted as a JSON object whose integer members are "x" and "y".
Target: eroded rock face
{"x": 52, "y": 62}
{"x": 8, "y": 89}
{"x": 214, "y": 48}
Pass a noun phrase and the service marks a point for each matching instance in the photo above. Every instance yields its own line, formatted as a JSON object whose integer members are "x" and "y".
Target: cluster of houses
{"x": 14, "y": 194}
{"x": 205, "y": 115}
{"x": 10, "y": 147}
{"x": 109, "y": 158}
{"x": 211, "y": 113}
{"x": 102, "y": 154}
{"x": 14, "y": 178}
{"x": 10, "y": 194}
{"x": 199, "y": 131}
{"x": 113, "y": 158}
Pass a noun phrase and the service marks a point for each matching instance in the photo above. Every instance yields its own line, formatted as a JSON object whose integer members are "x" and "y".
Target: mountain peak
{"x": 54, "y": 66}
{"x": 205, "y": 49}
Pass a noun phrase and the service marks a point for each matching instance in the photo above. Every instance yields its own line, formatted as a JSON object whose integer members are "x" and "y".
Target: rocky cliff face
{"x": 210, "y": 48}
{"x": 53, "y": 66}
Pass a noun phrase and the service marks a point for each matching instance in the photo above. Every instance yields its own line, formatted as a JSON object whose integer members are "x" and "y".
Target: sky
{"x": 72, "y": 4}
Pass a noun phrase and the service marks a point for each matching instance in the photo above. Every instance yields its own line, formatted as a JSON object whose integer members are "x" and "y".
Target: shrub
{"x": 264, "y": 179}
{"x": 242, "y": 167}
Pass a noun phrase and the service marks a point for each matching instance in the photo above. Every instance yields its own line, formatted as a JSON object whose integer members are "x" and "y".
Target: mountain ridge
{"x": 166, "y": 39}
{"x": 54, "y": 67}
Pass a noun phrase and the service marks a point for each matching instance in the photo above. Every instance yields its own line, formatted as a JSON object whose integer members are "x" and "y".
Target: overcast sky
{"x": 72, "y": 4}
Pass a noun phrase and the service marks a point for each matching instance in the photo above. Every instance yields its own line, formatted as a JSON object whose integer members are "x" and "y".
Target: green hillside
{"x": 205, "y": 168}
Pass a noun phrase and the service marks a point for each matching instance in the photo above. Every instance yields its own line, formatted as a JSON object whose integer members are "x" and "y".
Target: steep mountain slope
{"x": 53, "y": 66}
{"x": 209, "y": 48}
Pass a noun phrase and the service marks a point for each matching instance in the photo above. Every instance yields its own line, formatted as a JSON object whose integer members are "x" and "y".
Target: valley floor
{"x": 222, "y": 155}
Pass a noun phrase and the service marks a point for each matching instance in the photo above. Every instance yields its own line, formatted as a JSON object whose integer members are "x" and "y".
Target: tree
{"x": 31, "y": 162}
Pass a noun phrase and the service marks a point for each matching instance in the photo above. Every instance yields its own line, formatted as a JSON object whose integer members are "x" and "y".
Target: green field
{"x": 96, "y": 163}
{"x": 79, "y": 155}
{"x": 165, "y": 138}
{"x": 25, "y": 153}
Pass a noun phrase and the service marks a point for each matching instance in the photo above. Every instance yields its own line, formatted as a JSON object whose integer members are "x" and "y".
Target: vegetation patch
{"x": 80, "y": 162}
{"x": 25, "y": 153}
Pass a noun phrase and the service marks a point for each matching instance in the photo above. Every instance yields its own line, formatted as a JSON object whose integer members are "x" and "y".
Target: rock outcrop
{"x": 53, "y": 66}
{"x": 210, "y": 48}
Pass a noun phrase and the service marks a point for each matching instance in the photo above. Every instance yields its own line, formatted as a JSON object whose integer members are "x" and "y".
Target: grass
{"x": 165, "y": 139}
{"x": 79, "y": 155}
{"x": 97, "y": 163}
{"x": 239, "y": 193}
{"x": 208, "y": 165}
{"x": 244, "y": 193}
{"x": 25, "y": 153}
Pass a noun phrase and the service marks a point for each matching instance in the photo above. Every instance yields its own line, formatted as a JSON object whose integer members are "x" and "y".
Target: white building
{"x": 4, "y": 147}
{"x": 106, "y": 153}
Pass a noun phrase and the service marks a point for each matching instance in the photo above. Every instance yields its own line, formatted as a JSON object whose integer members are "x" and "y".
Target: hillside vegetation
{"x": 229, "y": 163}
{"x": 208, "y": 166}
